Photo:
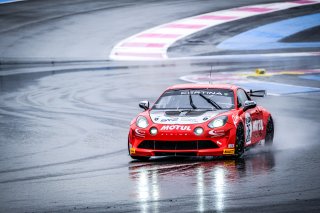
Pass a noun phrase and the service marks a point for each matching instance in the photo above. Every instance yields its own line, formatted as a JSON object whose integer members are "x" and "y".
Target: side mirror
{"x": 144, "y": 105}
{"x": 249, "y": 105}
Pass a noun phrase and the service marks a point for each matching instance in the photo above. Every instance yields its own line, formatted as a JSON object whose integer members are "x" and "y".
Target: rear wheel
{"x": 270, "y": 132}
{"x": 239, "y": 141}
{"x": 141, "y": 158}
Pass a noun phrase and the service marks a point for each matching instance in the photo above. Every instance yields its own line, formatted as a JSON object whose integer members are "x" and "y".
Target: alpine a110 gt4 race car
{"x": 200, "y": 120}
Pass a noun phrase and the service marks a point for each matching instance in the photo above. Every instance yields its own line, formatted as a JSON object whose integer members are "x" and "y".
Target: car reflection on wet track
{"x": 211, "y": 178}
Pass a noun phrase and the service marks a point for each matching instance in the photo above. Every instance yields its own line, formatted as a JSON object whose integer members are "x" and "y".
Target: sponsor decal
{"x": 175, "y": 127}
{"x": 216, "y": 133}
{"x": 140, "y": 133}
{"x": 195, "y": 92}
{"x": 231, "y": 146}
{"x": 257, "y": 125}
{"x": 228, "y": 151}
{"x": 192, "y": 120}
{"x": 182, "y": 119}
{"x": 235, "y": 119}
{"x": 248, "y": 128}
{"x": 169, "y": 119}
{"x": 132, "y": 151}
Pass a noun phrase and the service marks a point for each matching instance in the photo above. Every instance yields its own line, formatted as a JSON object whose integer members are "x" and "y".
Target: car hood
{"x": 184, "y": 117}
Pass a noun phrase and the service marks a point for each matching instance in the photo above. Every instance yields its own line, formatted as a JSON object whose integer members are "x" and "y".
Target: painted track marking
{"x": 311, "y": 77}
{"x": 9, "y": 1}
{"x": 240, "y": 79}
{"x": 269, "y": 36}
{"x": 162, "y": 37}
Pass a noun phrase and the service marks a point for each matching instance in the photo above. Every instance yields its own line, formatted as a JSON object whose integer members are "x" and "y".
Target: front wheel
{"x": 269, "y": 132}
{"x": 239, "y": 141}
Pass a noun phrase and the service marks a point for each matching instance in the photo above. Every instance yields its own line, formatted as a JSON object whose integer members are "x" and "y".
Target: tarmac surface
{"x": 65, "y": 112}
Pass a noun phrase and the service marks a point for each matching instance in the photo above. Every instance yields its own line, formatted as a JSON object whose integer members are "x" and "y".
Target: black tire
{"x": 239, "y": 145}
{"x": 269, "y": 132}
{"x": 140, "y": 158}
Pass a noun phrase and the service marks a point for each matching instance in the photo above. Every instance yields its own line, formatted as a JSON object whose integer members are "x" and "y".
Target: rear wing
{"x": 257, "y": 93}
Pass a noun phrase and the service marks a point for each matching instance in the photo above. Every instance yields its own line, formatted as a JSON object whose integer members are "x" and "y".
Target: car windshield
{"x": 210, "y": 99}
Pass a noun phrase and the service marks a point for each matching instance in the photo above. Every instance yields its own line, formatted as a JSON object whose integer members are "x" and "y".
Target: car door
{"x": 250, "y": 118}
{"x": 257, "y": 125}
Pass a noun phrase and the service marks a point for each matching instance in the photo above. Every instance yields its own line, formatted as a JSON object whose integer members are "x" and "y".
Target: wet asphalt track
{"x": 63, "y": 137}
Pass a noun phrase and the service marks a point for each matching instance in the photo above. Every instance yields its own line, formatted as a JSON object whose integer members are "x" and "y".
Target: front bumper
{"x": 213, "y": 142}
{"x": 205, "y": 152}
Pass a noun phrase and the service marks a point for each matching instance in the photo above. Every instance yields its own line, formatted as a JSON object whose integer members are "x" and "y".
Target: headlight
{"x": 218, "y": 122}
{"x": 198, "y": 131}
{"x": 153, "y": 131}
{"x": 142, "y": 122}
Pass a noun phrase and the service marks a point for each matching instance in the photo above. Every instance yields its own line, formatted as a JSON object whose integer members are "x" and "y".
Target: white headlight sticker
{"x": 248, "y": 128}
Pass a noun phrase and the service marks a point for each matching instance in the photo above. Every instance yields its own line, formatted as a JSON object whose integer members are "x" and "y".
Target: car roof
{"x": 203, "y": 86}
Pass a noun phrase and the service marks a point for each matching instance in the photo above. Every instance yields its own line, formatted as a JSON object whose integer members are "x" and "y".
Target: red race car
{"x": 200, "y": 120}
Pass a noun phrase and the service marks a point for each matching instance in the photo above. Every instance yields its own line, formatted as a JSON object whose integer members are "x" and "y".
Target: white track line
{"x": 9, "y": 1}
{"x": 249, "y": 56}
{"x": 153, "y": 43}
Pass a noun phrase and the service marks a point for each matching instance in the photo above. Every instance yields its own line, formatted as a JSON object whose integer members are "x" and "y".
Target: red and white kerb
{"x": 153, "y": 43}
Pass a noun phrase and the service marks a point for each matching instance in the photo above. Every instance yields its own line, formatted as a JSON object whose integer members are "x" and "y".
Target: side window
{"x": 242, "y": 97}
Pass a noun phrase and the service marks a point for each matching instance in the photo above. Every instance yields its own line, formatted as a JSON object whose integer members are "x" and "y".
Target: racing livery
{"x": 200, "y": 120}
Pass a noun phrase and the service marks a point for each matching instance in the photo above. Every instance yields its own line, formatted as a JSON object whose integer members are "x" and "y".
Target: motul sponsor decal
{"x": 176, "y": 127}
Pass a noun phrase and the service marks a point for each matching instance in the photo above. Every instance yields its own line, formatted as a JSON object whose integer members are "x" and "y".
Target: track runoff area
{"x": 153, "y": 44}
